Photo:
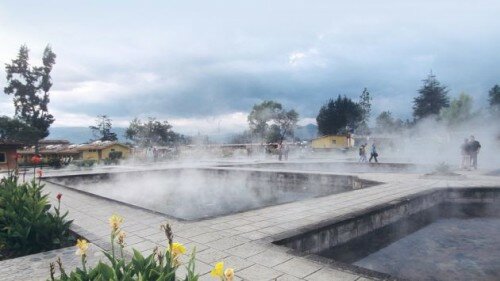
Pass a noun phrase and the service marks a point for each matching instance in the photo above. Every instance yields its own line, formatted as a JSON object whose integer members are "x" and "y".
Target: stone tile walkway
{"x": 243, "y": 240}
{"x": 36, "y": 267}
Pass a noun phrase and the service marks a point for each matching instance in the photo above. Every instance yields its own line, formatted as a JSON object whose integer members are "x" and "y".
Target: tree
{"x": 494, "y": 97}
{"x": 102, "y": 130}
{"x": 365, "y": 105}
{"x": 286, "y": 121}
{"x": 385, "y": 123}
{"x": 432, "y": 98}
{"x": 30, "y": 87}
{"x": 152, "y": 132}
{"x": 459, "y": 111}
{"x": 261, "y": 115}
{"x": 269, "y": 121}
{"x": 339, "y": 116}
{"x": 274, "y": 134}
{"x": 13, "y": 129}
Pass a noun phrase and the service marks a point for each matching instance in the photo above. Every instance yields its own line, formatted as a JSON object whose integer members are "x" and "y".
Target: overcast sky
{"x": 203, "y": 64}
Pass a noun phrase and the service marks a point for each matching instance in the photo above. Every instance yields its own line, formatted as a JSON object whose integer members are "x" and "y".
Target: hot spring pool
{"x": 448, "y": 249}
{"x": 450, "y": 234}
{"x": 192, "y": 194}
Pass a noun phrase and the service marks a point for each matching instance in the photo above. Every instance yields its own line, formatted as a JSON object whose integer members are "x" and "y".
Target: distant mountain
{"x": 80, "y": 134}
{"x": 307, "y": 132}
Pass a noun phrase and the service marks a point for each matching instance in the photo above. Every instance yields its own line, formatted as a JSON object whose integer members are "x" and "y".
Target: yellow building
{"x": 100, "y": 150}
{"x": 333, "y": 142}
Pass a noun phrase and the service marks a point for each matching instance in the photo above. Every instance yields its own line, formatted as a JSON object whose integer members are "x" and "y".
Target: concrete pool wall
{"x": 328, "y": 234}
{"x": 344, "y": 167}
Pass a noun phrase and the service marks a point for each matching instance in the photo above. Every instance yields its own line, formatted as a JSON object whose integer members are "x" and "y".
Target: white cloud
{"x": 89, "y": 92}
{"x": 308, "y": 58}
{"x": 306, "y": 121}
{"x": 220, "y": 124}
{"x": 295, "y": 57}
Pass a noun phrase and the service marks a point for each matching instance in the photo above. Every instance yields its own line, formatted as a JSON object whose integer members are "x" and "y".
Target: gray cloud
{"x": 194, "y": 59}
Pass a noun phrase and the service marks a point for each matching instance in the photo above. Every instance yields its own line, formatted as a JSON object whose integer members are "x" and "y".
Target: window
{"x": 334, "y": 141}
{"x": 3, "y": 157}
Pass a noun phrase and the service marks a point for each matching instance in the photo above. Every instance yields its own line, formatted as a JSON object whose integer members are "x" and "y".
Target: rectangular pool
{"x": 198, "y": 193}
{"x": 440, "y": 235}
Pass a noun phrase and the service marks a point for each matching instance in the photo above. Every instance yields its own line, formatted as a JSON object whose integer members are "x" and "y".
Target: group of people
{"x": 283, "y": 150}
{"x": 470, "y": 149}
{"x": 373, "y": 153}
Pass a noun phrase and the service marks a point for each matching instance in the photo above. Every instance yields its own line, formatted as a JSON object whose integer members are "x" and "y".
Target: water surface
{"x": 448, "y": 249}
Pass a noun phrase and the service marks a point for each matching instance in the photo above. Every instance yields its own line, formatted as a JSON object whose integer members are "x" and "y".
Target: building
{"x": 48, "y": 152}
{"x": 49, "y": 149}
{"x": 8, "y": 155}
{"x": 332, "y": 142}
{"x": 101, "y": 150}
{"x": 46, "y": 142}
{"x": 96, "y": 151}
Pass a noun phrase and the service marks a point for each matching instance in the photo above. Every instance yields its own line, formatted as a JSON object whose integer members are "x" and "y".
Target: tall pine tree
{"x": 494, "y": 97}
{"x": 30, "y": 86}
{"x": 431, "y": 99}
{"x": 365, "y": 104}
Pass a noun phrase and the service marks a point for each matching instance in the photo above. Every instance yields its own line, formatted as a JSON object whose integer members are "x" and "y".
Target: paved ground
{"x": 242, "y": 241}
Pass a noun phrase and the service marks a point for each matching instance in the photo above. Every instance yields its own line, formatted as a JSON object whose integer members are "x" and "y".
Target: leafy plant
{"x": 159, "y": 265}
{"x": 113, "y": 158}
{"x": 26, "y": 223}
{"x": 84, "y": 163}
{"x": 54, "y": 163}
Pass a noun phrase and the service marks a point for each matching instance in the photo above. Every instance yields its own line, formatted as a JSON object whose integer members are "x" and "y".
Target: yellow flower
{"x": 177, "y": 249}
{"x": 229, "y": 274}
{"x": 82, "y": 246}
{"x": 121, "y": 238}
{"x": 115, "y": 221}
{"x": 218, "y": 270}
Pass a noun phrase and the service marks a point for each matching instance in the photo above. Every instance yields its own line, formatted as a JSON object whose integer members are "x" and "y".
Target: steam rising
{"x": 200, "y": 193}
{"x": 433, "y": 142}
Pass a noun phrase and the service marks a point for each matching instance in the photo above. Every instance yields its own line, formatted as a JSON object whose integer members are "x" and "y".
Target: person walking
{"x": 373, "y": 154}
{"x": 362, "y": 153}
{"x": 474, "y": 147}
{"x": 280, "y": 150}
{"x": 464, "y": 151}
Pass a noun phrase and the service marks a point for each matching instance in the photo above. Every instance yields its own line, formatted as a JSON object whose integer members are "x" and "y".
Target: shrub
{"x": 54, "y": 163}
{"x": 113, "y": 158}
{"x": 115, "y": 155}
{"x": 26, "y": 223}
{"x": 84, "y": 163}
{"x": 156, "y": 266}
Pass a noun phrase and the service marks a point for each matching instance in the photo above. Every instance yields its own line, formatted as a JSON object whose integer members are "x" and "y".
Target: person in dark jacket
{"x": 373, "y": 154}
{"x": 474, "y": 147}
